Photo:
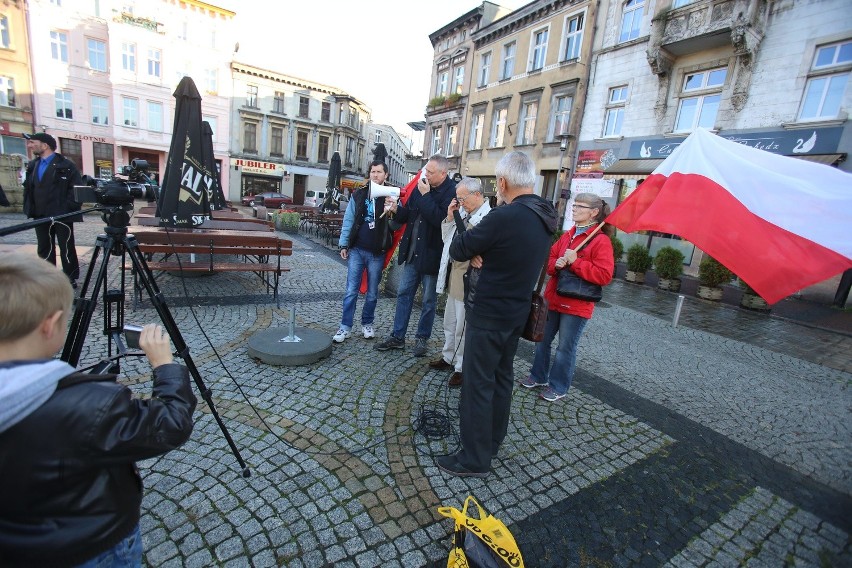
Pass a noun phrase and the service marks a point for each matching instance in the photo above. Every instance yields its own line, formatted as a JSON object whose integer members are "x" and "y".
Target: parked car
{"x": 314, "y": 198}
{"x": 269, "y": 199}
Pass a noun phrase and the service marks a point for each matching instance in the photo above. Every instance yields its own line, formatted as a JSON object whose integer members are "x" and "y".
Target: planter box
{"x": 714, "y": 294}
{"x": 754, "y": 302}
{"x": 672, "y": 285}
{"x": 635, "y": 277}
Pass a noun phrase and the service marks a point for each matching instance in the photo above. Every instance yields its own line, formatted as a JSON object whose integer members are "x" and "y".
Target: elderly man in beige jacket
{"x": 473, "y": 206}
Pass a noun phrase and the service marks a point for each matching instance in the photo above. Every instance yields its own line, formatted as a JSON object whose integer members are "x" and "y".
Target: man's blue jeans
{"x": 570, "y": 329}
{"x": 358, "y": 260}
{"x": 125, "y": 554}
{"x": 411, "y": 279}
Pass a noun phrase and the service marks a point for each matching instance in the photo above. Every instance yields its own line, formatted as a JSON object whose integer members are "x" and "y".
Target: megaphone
{"x": 377, "y": 191}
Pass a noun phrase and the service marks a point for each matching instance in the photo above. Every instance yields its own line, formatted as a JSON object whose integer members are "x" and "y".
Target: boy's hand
{"x": 155, "y": 343}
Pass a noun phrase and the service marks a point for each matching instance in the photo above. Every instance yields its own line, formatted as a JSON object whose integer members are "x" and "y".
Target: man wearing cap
{"x": 49, "y": 192}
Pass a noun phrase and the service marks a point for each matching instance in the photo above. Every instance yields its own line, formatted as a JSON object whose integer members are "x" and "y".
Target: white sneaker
{"x": 341, "y": 335}
{"x": 368, "y": 332}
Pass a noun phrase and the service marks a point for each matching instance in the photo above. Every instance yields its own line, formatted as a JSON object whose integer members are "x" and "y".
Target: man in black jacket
{"x": 420, "y": 252}
{"x": 510, "y": 244}
{"x": 71, "y": 492}
{"x": 48, "y": 192}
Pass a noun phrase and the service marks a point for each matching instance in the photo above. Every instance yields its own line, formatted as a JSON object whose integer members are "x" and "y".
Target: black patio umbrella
{"x": 380, "y": 154}
{"x": 215, "y": 195}
{"x": 334, "y": 172}
{"x": 187, "y": 181}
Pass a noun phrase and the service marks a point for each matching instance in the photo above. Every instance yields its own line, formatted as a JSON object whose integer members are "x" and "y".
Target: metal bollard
{"x": 292, "y": 338}
{"x": 677, "y": 310}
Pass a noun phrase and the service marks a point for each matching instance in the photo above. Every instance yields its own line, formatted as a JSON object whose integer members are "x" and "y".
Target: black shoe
{"x": 449, "y": 464}
{"x": 390, "y": 343}
{"x": 455, "y": 380}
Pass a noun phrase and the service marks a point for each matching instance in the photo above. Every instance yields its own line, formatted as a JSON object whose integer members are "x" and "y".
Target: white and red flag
{"x": 779, "y": 223}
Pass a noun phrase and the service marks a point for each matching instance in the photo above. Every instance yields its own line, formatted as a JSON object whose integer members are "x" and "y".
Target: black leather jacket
{"x": 57, "y": 194}
{"x": 70, "y": 489}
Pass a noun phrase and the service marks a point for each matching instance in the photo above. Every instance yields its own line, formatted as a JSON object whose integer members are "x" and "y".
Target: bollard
{"x": 677, "y": 310}
{"x": 292, "y": 338}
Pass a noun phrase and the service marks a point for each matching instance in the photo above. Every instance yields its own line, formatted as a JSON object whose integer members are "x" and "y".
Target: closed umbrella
{"x": 380, "y": 154}
{"x": 332, "y": 198}
{"x": 215, "y": 195}
{"x": 187, "y": 183}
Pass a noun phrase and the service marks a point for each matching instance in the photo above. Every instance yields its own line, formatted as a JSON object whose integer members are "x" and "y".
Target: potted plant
{"x": 638, "y": 262}
{"x": 437, "y": 101}
{"x": 751, "y": 299}
{"x": 453, "y": 99}
{"x": 286, "y": 220}
{"x": 711, "y": 275}
{"x": 668, "y": 263}
{"x": 617, "y": 248}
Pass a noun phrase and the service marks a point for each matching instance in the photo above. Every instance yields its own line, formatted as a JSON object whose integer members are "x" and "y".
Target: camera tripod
{"x": 115, "y": 241}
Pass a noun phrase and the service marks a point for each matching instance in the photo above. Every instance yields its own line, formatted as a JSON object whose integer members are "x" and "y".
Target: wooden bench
{"x": 261, "y": 252}
{"x": 218, "y": 224}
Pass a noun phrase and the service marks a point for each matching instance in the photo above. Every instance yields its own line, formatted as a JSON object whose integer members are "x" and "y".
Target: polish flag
{"x": 404, "y": 192}
{"x": 779, "y": 223}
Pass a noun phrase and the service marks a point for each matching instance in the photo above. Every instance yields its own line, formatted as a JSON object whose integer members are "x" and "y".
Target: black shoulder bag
{"x": 570, "y": 285}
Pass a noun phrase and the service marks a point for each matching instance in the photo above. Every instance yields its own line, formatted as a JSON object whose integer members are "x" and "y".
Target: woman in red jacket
{"x": 568, "y": 316}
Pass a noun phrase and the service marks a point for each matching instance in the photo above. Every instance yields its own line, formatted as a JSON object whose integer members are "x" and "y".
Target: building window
{"x": 452, "y": 134}
{"x": 824, "y": 90}
{"x": 7, "y": 91}
{"x": 100, "y": 110}
{"x": 59, "y": 46}
{"x": 155, "y": 116}
{"x": 251, "y": 96}
{"x": 5, "y": 40}
{"x": 529, "y": 113}
{"x": 301, "y": 145}
{"x": 276, "y": 138}
{"x": 615, "y": 111}
{"x": 104, "y": 157}
{"x": 97, "y": 54}
{"x": 128, "y": 57}
{"x": 700, "y": 110}
{"x": 498, "y": 127}
{"x": 250, "y": 137}
{"x": 441, "y": 87}
{"x": 378, "y": 136}
{"x": 326, "y": 112}
{"x": 73, "y": 150}
{"x": 63, "y": 104}
{"x": 681, "y": 3}
{"x": 476, "y": 130}
{"x": 323, "y": 148}
{"x": 211, "y": 81}
{"x": 539, "y": 49}
{"x": 304, "y": 106}
{"x": 278, "y": 102}
{"x": 154, "y": 62}
{"x": 214, "y": 124}
{"x": 436, "y": 141}
{"x": 631, "y": 19}
{"x": 573, "y": 37}
{"x": 341, "y": 114}
{"x": 560, "y": 116}
{"x": 508, "y": 65}
{"x": 131, "y": 111}
{"x": 350, "y": 148}
{"x": 458, "y": 79}
{"x": 484, "y": 69}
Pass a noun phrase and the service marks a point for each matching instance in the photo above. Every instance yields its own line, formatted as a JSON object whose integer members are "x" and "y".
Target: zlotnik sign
{"x": 258, "y": 167}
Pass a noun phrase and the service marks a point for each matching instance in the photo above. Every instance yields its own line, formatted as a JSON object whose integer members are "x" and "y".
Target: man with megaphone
{"x": 365, "y": 237}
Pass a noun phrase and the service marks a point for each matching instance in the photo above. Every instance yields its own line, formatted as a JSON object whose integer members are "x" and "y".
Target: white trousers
{"x": 453, "y": 351}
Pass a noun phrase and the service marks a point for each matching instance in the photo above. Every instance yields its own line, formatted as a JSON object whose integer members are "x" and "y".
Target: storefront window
{"x": 104, "y": 160}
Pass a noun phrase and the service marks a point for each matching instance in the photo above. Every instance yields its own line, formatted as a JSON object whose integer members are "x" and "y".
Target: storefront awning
{"x": 827, "y": 159}
{"x": 633, "y": 167}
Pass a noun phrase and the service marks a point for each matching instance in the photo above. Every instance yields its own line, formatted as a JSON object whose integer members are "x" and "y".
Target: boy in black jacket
{"x": 71, "y": 492}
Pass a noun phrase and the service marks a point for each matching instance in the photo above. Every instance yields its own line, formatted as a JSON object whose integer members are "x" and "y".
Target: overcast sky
{"x": 376, "y": 50}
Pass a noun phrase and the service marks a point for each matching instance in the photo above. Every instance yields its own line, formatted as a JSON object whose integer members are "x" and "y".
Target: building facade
{"x": 285, "y": 131}
{"x": 395, "y": 147}
{"x": 104, "y": 74}
{"x": 773, "y": 75}
{"x": 16, "y": 99}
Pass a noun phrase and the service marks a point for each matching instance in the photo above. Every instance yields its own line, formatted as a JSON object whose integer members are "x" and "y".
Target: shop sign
{"x": 258, "y": 167}
{"x": 593, "y": 163}
{"x": 785, "y": 142}
{"x": 600, "y": 187}
{"x": 90, "y": 138}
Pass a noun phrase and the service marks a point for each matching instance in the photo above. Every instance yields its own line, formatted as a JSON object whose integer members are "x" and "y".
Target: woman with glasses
{"x": 568, "y": 316}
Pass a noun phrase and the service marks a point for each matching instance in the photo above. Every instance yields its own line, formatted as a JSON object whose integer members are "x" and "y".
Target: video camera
{"x": 121, "y": 190}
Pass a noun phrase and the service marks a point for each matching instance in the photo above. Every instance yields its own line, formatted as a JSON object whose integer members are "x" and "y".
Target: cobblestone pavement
{"x": 722, "y": 442}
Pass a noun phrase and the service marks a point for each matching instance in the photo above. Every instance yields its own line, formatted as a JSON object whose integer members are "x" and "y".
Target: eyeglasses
{"x": 575, "y": 206}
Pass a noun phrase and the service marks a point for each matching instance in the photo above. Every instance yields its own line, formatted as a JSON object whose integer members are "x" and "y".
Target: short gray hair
{"x": 517, "y": 169}
{"x": 471, "y": 184}
{"x": 440, "y": 161}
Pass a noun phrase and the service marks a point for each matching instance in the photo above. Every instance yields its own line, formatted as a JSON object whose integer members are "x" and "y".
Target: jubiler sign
{"x": 258, "y": 167}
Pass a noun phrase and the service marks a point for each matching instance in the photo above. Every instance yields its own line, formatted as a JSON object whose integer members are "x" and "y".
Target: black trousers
{"x": 486, "y": 393}
{"x": 62, "y": 234}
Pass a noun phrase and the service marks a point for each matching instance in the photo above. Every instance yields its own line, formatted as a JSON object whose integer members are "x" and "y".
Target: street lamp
{"x": 563, "y": 146}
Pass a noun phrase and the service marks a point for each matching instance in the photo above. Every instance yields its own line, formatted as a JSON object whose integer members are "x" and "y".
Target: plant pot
{"x": 754, "y": 302}
{"x": 708, "y": 293}
{"x": 670, "y": 284}
{"x": 636, "y": 277}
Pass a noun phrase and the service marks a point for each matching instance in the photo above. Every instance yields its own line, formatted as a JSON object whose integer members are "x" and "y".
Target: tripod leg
{"x": 146, "y": 279}
{"x": 84, "y": 306}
